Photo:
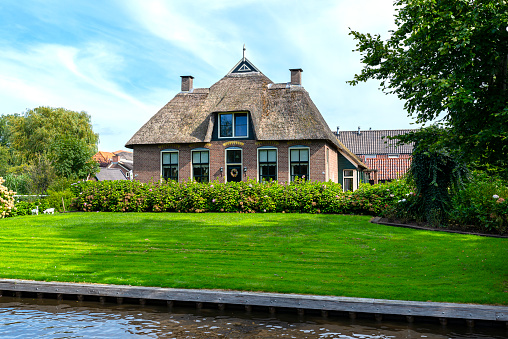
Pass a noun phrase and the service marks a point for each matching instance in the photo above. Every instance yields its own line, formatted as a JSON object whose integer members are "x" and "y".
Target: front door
{"x": 234, "y": 173}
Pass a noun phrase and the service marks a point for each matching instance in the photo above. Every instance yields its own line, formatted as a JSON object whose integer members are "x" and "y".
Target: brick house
{"x": 386, "y": 160}
{"x": 243, "y": 126}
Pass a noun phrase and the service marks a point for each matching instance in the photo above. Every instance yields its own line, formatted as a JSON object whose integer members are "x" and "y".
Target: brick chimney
{"x": 187, "y": 83}
{"x": 296, "y": 76}
{"x": 114, "y": 159}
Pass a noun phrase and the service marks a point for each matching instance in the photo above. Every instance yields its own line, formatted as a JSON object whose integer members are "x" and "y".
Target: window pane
{"x": 263, "y": 170}
{"x": 304, "y": 170}
{"x": 295, "y": 155}
{"x": 304, "y": 155}
{"x": 272, "y": 155}
{"x": 241, "y": 124}
{"x": 196, "y": 157}
{"x": 166, "y": 158}
{"x": 262, "y": 156}
{"x": 204, "y": 157}
{"x": 348, "y": 173}
{"x": 272, "y": 170}
{"x": 226, "y": 125}
{"x": 174, "y": 158}
{"x": 233, "y": 156}
{"x": 348, "y": 184}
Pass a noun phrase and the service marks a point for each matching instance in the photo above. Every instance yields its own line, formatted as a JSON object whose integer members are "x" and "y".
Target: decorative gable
{"x": 243, "y": 67}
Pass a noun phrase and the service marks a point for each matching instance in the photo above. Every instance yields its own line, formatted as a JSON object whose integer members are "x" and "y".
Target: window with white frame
{"x": 370, "y": 156}
{"x": 299, "y": 163}
{"x": 267, "y": 158}
{"x": 169, "y": 165}
{"x": 201, "y": 165}
{"x": 393, "y": 156}
{"x": 233, "y": 164}
{"x": 348, "y": 180}
{"x": 233, "y": 125}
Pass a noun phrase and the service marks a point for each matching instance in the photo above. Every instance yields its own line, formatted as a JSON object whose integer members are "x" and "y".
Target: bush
{"x": 61, "y": 201}
{"x": 6, "y": 200}
{"x": 482, "y": 205}
{"x": 246, "y": 197}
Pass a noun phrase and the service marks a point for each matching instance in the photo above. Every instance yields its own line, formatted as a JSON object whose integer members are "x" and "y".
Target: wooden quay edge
{"x": 296, "y": 301}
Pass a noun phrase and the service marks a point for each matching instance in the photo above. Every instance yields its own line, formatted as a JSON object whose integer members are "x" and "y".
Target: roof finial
{"x": 244, "y": 52}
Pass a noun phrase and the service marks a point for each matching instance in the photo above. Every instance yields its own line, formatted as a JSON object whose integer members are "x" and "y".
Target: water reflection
{"x": 25, "y": 318}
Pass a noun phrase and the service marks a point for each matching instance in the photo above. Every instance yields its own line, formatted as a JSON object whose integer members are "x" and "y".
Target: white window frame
{"x": 192, "y": 161}
{"x": 178, "y": 161}
{"x": 289, "y": 161}
{"x": 393, "y": 156}
{"x": 268, "y": 148}
{"x": 354, "y": 177}
{"x": 370, "y": 156}
{"x": 233, "y": 127}
{"x": 327, "y": 163}
{"x": 226, "y": 163}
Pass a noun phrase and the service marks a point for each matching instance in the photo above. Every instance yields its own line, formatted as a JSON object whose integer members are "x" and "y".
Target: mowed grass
{"x": 289, "y": 253}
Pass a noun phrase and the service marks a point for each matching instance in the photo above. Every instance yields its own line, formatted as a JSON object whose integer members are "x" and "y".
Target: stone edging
{"x": 378, "y": 220}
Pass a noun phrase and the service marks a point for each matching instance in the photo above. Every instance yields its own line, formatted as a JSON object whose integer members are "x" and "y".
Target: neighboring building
{"x": 386, "y": 160}
{"x": 103, "y": 158}
{"x": 114, "y": 165}
{"x": 243, "y": 126}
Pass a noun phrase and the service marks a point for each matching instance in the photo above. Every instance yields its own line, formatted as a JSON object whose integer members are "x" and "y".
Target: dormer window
{"x": 233, "y": 125}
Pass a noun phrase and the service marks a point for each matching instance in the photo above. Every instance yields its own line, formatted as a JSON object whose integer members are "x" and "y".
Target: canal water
{"x": 49, "y": 318}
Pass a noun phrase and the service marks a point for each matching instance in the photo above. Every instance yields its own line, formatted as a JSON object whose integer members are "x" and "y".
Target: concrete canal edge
{"x": 272, "y": 301}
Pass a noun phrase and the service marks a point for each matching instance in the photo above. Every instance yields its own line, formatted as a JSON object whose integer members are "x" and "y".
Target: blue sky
{"x": 121, "y": 61}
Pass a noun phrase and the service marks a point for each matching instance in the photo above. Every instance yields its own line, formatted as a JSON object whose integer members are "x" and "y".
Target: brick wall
{"x": 147, "y": 159}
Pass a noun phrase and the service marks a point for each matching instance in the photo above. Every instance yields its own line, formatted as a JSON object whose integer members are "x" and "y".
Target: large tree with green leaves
{"x": 62, "y": 138}
{"x": 448, "y": 60}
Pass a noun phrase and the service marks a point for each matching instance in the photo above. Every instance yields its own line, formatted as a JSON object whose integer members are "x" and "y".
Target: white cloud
{"x": 77, "y": 79}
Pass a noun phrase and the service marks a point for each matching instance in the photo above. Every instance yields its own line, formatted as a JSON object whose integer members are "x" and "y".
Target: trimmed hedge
{"x": 249, "y": 197}
{"x": 481, "y": 206}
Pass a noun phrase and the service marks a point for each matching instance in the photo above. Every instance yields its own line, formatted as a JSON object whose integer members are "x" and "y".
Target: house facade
{"x": 242, "y": 127}
{"x": 386, "y": 160}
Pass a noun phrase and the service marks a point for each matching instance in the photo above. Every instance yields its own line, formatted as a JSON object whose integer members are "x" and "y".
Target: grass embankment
{"x": 288, "y": 253}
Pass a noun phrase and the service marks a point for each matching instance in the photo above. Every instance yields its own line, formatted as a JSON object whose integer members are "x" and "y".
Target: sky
{"x": 121, "y": 61}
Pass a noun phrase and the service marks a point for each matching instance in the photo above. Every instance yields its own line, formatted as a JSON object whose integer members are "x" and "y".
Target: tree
{"x": 55, "y": 137}
{"x": 72, "y": 158}
{"x": 436, "y": 173}
{"x": 448, "y": 60}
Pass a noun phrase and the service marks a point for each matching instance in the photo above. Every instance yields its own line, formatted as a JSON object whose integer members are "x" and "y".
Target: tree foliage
{"x": 36, "y": 131}
{"x": 448, "y": 60}
{"x": 45, "y": 143}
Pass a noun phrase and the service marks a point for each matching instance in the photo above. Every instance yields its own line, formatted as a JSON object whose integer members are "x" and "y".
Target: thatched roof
{"x": 278, "y": 112}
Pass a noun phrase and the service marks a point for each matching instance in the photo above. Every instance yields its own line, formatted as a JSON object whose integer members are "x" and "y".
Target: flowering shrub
{"x": 482, "y": 205}
{"x": 246, "y": 197}
{"x": 6, "y": 200}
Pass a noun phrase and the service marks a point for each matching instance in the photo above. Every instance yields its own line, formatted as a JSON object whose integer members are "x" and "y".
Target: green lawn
{"x": 289, "y": 253}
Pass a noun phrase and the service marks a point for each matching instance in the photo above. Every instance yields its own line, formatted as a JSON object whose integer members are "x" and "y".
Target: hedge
{"x": 249, "y": 197}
